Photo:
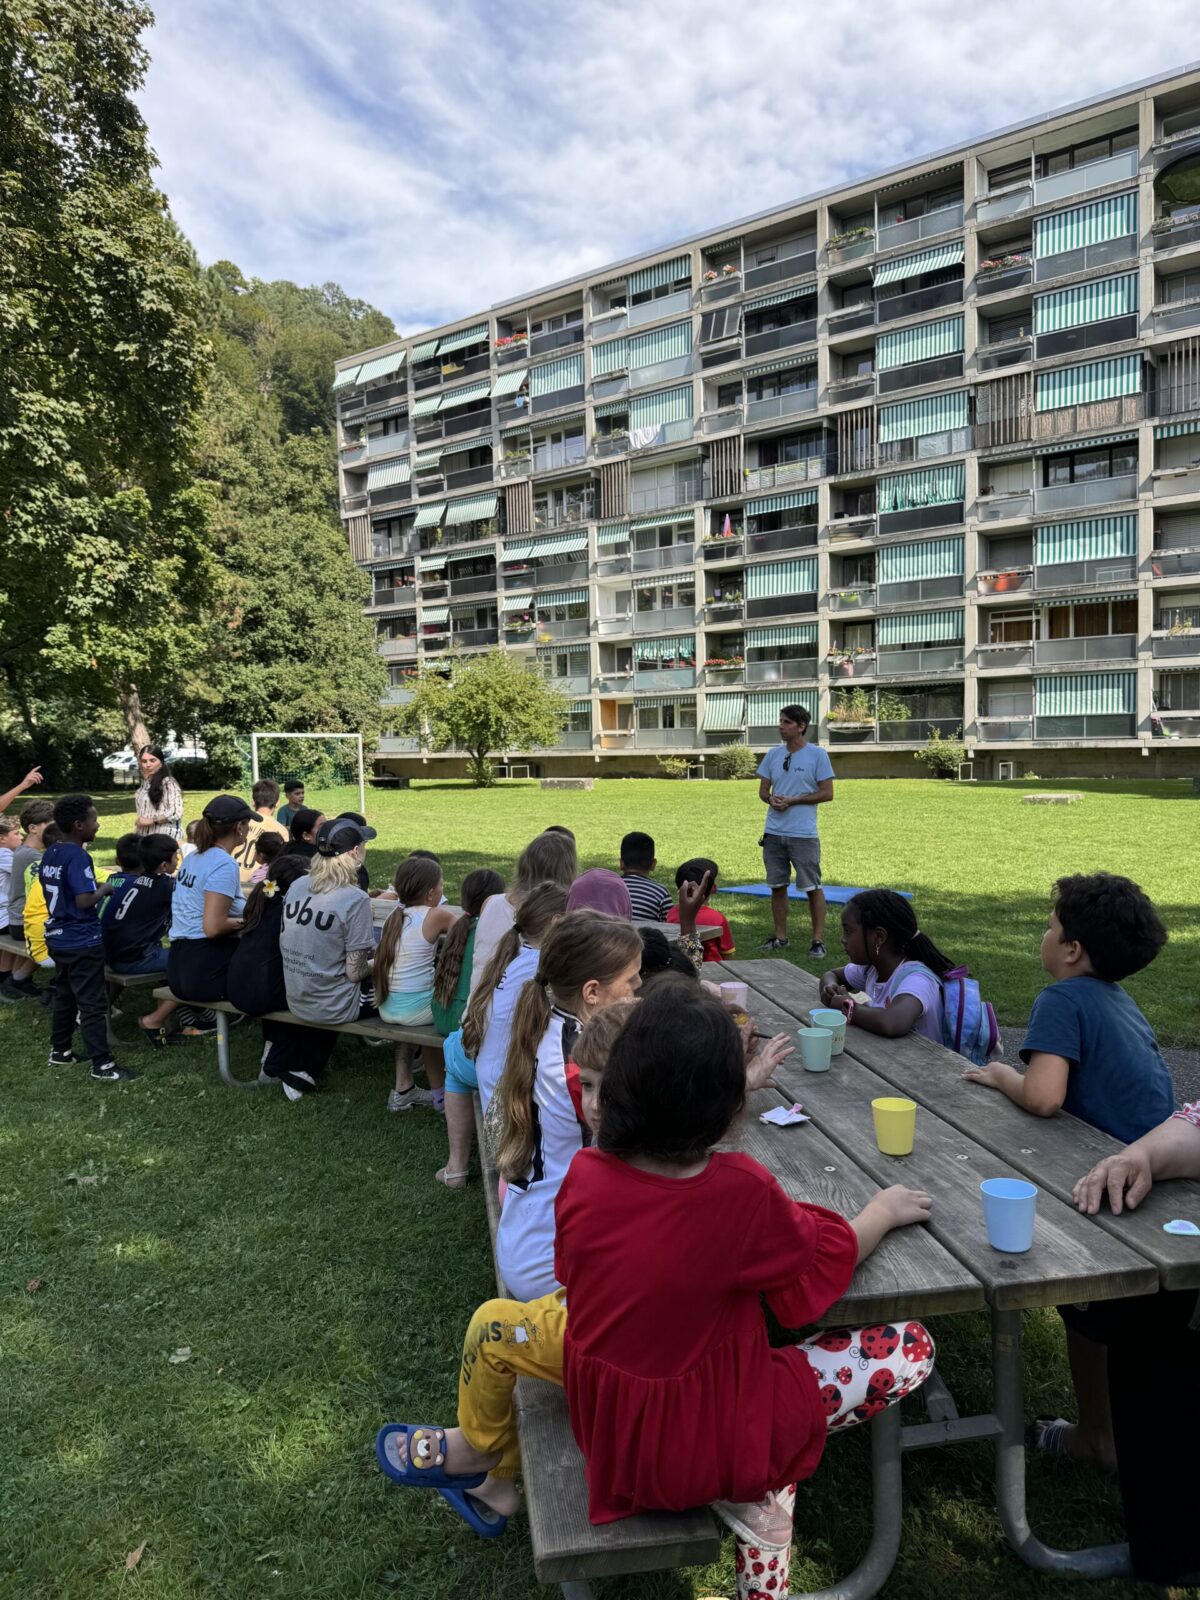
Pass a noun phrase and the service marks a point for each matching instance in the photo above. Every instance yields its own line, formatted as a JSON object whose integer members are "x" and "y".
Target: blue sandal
{"x": 424, "y": 1469}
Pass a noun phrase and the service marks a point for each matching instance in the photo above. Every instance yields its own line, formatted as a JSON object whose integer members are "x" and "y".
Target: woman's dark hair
{"x": 154, "y": 849}
{"x": 282, "y": 873}
{"x": 891, "y": 914}
{"x": 1113, "y": 919}
{"x": 676, "y": 1078}
{"x": 477, "y": 887}
{"x": 72, "y": 808}
{"x": 661, "y": 960}
{"x": 304, "y": 821}
{"x": 154, "y": 785}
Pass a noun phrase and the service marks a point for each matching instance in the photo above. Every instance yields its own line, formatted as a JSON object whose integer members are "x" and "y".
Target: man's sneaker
{"x": 773, "y": 944}
{"x": 406, "y": 1099}
{"x": 62, "y": 1058}
{"x": 110, "y": 1072}
{"x": 817, "y": 950}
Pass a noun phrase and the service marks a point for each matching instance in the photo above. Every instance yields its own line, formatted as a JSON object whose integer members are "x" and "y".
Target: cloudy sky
{"x": 436, "y": 156}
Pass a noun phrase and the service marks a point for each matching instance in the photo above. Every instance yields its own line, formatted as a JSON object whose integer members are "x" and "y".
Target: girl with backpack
{"x": 898, "y": 967}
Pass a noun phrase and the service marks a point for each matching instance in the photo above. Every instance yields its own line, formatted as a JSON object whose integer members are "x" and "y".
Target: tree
{"x": 735, "y": 761}
{"x": 943, "y": 757}
{"x": 484, "y": 704}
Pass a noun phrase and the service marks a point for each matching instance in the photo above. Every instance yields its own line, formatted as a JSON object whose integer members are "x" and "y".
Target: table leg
{"x": 112, "y": 992}
{"x": 887, "y": 1512}
{"x": 1100, "y": 1561}
{"x": 223, "y": 1066}
{"x": 574, "y": 1589}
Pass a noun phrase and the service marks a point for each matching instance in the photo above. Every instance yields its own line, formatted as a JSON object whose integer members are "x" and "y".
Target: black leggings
{"x": 291, "y": 1048}
{"x": 197, "y": 968}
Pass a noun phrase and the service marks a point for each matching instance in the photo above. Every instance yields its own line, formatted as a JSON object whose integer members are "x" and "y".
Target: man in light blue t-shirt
{"x": 795, "y": 778}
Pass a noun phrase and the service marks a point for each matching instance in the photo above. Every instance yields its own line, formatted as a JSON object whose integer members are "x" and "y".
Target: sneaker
{"x": 110, "y": 1072}
{"x": 817, "y": 950}
{"x": 298, "y": 1084}
{"x": 406, "y": 1099}
{"x": 62, "y": 1058}
{"x": 21, "y": 991}
{"x": 7, "y": 998}
{"x": 773, "y": 944}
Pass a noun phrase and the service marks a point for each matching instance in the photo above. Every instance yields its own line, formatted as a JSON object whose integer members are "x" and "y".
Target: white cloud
{"x": 440, "y": 155}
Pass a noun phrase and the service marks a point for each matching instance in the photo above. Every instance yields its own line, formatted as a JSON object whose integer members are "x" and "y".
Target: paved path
{"x": 1184, "y": 1064}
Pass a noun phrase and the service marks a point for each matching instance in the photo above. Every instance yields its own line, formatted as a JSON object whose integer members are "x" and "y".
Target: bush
{"x": 735, "y": 761}
{"x": 943, "y": 757}
{"x": 852, "y": 705}
{"x": 673, "y": 766}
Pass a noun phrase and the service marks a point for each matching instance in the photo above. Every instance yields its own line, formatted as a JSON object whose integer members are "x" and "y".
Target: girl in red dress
{"x": 664, "y": 1246}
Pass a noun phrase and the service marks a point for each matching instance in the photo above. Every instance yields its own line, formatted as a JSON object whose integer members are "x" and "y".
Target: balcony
{"x": 392, "y": 649}
{"x": 1174, "y": 563}
{"x": 465, "y": 476}
{"x": 917, "y": 730}
{"x": 576, "y": 683}
{"x": 995, "y": 280}
{"x": 572, "y": 628}
{"x": 895, "y": 594}
{"x": 564, "y": 514}
{"x": 677, "y": 432}
{"x": 553, "y": 574}
{"x": 663, "y": 557}
{"x": 615, "y": 682}
{"x": 1091, "y": 492}
{"x": 665, "y": 496}
{"x": 1011, "y": 506}
{"x": 842, "y": 731}
{"x": 573, "y": 739}
{"x": 668, "y": 739}
{"x": 1004, "y": 353}
{"x": 1003, "y": 730}
{"x": 723, "y": 421}
{"x": 517, "y": 349}
{"x": 718, "y": 612}
{"x": 607, "y": 445}
{"x": 794, "y": 266}
{"x": 1009, "y": 581}
{"x": 1100, "y": 647}
{"x": 664, "y": 619}
{"x": 920, "y": 518}
{"x": 397, "y": 744}
{"x": 858, "y": 597}
{"x": 758, "y": 344}
{"x": 927, "y": 658}
{"x": 667, "y": 305}
{"x": 604, "y": 324}
{"x": 1176, "y": 724}
{"x": 918, "y": 373}
{"x": 716, "y": 547}
{"x": 455, "y": 423}
{"x": 1172, "y": 645}
{"x": 544, "y": 403}
{"x": 1171, "y": 482}
{"x": 840, "y": 391}
{"x": 783, "y": 605}
{"x": 892, "y": 307}
{"x": 891, "y": 235}
{"x": 476, "y": 583}
{"x": 786, "y": 475}
{"x": 541, "y": 344}
{"x": 464, "y": 366}
{"x": 1084, "y": 727}
{"x": 844, "y": 529}
{"x": 796, "y": 669}
{"x": 616, "y": 738}
{"x": 848, "y": 319}
{"x": 1091, "y": 417}
{"x": 396, "y": 694}
{"x": 615, "y": 624}
{"x": 1004, "y": 657}
{"x": 802, "y": 536}
{"x": 1088, "y": 336}
{"x": 855, "y": 245}
{"x": 1178, "y": 231}
{"x": 515, "y": 466}
{"x": 388, "y": 444}
{"x": 396, "y": 596}
{"x": 1003, "y": 204}
{"x": 781, "y": 405}
{"x": 665, "y": 678}
{"x": 469, "y": 638}
{"x": 952, "y": 441}
{"x": 1078, "y": 574}
{"x": 559, "y": 457}
{"x": 721, "y": 286}
{"x": 661, "y": 372}
{"x": 1172, "y": 317}
{"x": 1085, "y": 180}
{"x": 1086, "y": 259}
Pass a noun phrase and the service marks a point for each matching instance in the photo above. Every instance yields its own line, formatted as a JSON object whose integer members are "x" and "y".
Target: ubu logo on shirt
{"x": 301, "y": 913}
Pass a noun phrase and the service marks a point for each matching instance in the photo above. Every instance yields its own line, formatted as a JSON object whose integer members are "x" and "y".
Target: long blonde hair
{"x": 582, "y": 946}
{"x": 548, "y": 858}
{"x": 327, "y": 873}
{"x": 593, "y": 1045}
{"x": 416, "y": 877}
{"x": 535, "y": 912}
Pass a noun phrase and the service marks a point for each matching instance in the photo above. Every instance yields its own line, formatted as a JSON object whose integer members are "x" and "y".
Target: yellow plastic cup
{"x": 895, "y": 1125}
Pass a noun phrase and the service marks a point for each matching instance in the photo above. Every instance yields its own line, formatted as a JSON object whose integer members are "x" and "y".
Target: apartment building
{"x": 921, "y": 454}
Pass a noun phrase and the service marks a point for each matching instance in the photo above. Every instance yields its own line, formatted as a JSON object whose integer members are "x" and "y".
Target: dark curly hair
{"x": 1113, "y": 919}
{"x": 72, "y": 808}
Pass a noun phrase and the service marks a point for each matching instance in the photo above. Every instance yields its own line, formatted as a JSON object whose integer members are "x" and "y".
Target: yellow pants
{"x": 507, "y": 1340}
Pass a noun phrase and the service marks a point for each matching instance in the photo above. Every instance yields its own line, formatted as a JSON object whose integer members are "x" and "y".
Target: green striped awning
{"x": 611, "y": 533}
{"x": 931, "y": 558}
{"x": 522, "y": 426}
{"x": 557, "y": 544}
{"x": 933, "y": 486}
{"x": 460, "y": 397}
{"x": 344, "y": 378}
{"x": 435, "y": 614}
{"x": 383, "y": 412}
{"x": 682, "y": 647}
{"x": 665, "y": 519}
{"x": 1081, "y": 694}
{"x": 464, "y": 337}
{"x": 578, "y": 707}
{"x": 562, "y": 597}
{"x": 386, "y": 473}
{"x": 920, "y": 627}
{"x": 1086, "y": 302}
{"x": 771, "y": 638}
{"x": 566, "y": 648}
{"x": 517, "y": 602}
{"x": 425, "y": 460}
{"x": 1112, "y": 598}
{"x": 555, "y": 375}
{"x": 381, "y": 366}
{"x": 609, "y": 357}
{"x": 430, "y": 516}
{"x": 661, "y": 700}
{"x": 1094, "y": 223}
{"x": 660, "y": 344}
{"x": 774, "y": 579}
{"x": 475, "y": 508}
{"x": 781, "y": 502}
{"x": 1091, "y": 539}
{"x": 664, "y": 272}
{"x": 1058, "y": 446}
{"x": 764, "y": 708}
{"x": 516, "y": 552}
{"x": 509, "y": 382}
{"x": 668, "y": 405}
{"x": 1093, "y": 380}
{"x": 922, "y": 343}
{"x": 946, "y": 255}
{"x": 611, "y": 408}
{"x": 804, "y": 292}
{"x": 467, "y": 555}
{"x": 782, "y": 364}
{"x": 434, "y": 561}
{"x": 724, "y": 713}
{"x": 425, "y": 351}
{"x": 460, "y": 447}
{"x": 1176, "y": 430}
{"x": 915, "y": 419}
{"x": 427, "y": 405}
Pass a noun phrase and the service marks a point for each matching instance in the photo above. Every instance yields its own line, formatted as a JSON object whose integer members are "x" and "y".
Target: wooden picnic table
{"x": 965, "y": 1133}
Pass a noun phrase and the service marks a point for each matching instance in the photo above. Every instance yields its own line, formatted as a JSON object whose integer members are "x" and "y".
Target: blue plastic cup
{"x": 834, "y": 1022}
{"x": 1009, "y": 1209}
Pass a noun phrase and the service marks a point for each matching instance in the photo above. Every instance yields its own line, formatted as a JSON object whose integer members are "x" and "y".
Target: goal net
{"x": 330, "y": 766}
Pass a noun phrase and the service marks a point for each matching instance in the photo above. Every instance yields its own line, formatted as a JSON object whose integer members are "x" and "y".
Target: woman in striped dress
{"x": 158, "y": 801}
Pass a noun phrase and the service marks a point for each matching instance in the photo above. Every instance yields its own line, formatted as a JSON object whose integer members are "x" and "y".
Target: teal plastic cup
{"x": 833, "y": 1022}
{"x": 1009, "y": 1210}
{"x": 816, "y": 1047}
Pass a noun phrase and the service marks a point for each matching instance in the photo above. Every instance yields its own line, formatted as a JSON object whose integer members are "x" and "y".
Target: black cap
{"x": 228, "y": 808}
{"x": 334, "y": 838}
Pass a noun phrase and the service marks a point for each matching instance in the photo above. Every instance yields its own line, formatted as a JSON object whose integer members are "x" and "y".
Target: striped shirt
{"x": 650, "y": 900}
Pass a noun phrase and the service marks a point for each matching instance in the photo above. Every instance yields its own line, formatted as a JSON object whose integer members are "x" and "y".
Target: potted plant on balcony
{"x": 839, "y": 241}
{"x": 851, "y": 713}
{"x": 848, "y": 597}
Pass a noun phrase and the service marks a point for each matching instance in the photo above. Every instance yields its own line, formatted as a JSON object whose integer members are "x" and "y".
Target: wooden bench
{"x": 567, "y": 1548}
{"x": 371, "y": 1028}
{"x": 114, "y": 982}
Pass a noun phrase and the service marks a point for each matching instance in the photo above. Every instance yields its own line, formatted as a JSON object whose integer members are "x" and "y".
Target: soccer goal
{"x": 329, "y": 765}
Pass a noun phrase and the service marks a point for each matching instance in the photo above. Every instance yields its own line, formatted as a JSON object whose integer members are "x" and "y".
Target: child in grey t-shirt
{"x": 327, "y": 942}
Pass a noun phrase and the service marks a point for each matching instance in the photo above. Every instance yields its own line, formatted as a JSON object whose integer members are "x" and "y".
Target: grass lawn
{"x": 320, "y": 1279}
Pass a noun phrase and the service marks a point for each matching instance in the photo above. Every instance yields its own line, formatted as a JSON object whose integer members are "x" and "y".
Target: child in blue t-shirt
{"x": 74, "y": 941}
{"x": 1090, "y": 1051}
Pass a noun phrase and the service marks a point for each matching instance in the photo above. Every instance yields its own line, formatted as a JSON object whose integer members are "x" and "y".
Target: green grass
{"x": 322, "y": 1280}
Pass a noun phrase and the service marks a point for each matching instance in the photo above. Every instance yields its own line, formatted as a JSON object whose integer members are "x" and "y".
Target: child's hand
{"x": 990, "y": 1075}
{"x": 833, "y": 993}
{"x": 771, "y": 1053}
{"x": 691, "y": 898}
{"x": 901, "y": 1206}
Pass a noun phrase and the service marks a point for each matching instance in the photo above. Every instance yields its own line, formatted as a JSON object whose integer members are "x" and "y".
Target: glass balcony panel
{"x": 995, "y": 208}
{"x": 1174, "y": 563}
{"x": 891, "y": 307}
{"x": 1085, "y": 259}
{"x": 667, "y": 305}
{"x": 796, "y": 266}
{"x": 663, "y": 620}
{"x": 660, "y": 558}
{"x": 1083, "y": 180}
{"x": 929, "y": 658}
{"x": 1092, "y": 492}
{"x": 665, "y": 678}
{"x": 758, "y": 344}
{"x": 1064, "y": 574}
{"x": 396, "y": 744}
{"x": 782, "y": 405}
{"x": 1004, "y": 656}
{"x": 1089, "y": 336}
{"x": 892, "y": 594}
{"x": 1102, "y": 647}
{"x": 1005, "y": 507}
{"x": 1085, "y": 727}
{"x": 917, "y": 730}
{"x": 993, "y": 730}
{"x": 1164, "y": 646}
{"x": 671, "y": 738}
{"x": 893, "y": 234}
{"x": 541, "y": 344}
{"x": 798, "y": 669}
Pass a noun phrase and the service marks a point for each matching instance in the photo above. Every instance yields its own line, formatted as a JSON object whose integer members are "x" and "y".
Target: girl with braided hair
{"x": 898, "y": 967}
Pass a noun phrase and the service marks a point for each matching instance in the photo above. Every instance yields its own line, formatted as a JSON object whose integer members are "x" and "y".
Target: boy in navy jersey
{"x": 137, "y": 916}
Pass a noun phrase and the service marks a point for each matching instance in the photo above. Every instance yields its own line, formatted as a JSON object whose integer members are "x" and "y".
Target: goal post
{"x": 309, "y": 758}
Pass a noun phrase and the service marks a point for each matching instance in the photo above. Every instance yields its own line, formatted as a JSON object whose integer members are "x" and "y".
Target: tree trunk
{"x": 21, "y": 700}
{"x": 480, "y": 769}
{"x": 131, "y": 710}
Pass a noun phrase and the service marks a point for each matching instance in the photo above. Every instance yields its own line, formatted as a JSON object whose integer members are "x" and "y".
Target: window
{"x": 1081, "y": 155}
{"x": 1180, "y": 286}
{"x": 1095, "y": 619}
{"x": 772, "y": 521}
{"x": 790, "y": 446}
{"x": 918, "y": 205}
{"x": 1080, "y": 466}
{"x": 1009, "y": 702}
{"x": 661, "y": 291}
{"x": 1015, "y": 327}
{"x": 785, "y": 316}
{"x": 617, "y": 423}
{"x": 858, "y": 571}
{"x": 859, "y": 219}
{"x": 1178, "y": 691}
{"x": 729, "y": 394}
{"x": 667, "y": 596}
{"x": 859, "y": 294}
{"x": 858, "y": 636}
{"x": 721, "y": 324}
{"x": 575, "y": 612}
{"x": 562, "y": 448}
{"x": 1013, "y": 172}
{"x": 1012, "y": 627}
{"x": 555, "y": 324}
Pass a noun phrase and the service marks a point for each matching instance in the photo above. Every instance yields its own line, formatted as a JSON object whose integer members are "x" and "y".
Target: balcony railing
{"x": 1005, "y": 507}
{"x": 1100, "y": 647}
{"x": 554, "y": 402}
{"x": 677, "y": 432}
{"x": 1182, "y": 314}
{"x": 1003, "y": 730}
{"x": 928, "y": 658}
{"x": 783, "y": 605}
{"x": 997, "y": 279}
{"x": 466, "y": 638}
{"x": 388, "y": 444}
{"x": 839, "y": 255}
{"x": 1184, "y": 231}
{"x": 718, "y": 548}
{"x": 1004, "y": 203}
{"x": 572, "y": 628}
{"x": 1069, "y": 574}
{"x": 396, "y": 744}
{"x": 517, "y": 350}
{"x": 1089, "y": 336}
{"x": 514, "y": 467}
{"x": 663, "y": 496}
{"x": 917, "y": 730}
{"x": 893, "y": 594}
{"x": 603, "y": 324}
{"x": 663, "y": 619}
{"x": 1083, "y": 180}
{"x": 1004, "y": 657}
{"x": 797, "y": 669}
{"x": 606, "y": 445}
{"x": 841, "y": 390}
{"x": 556, "y": 574}
{"x": 1091, "y": 492}
{"x": 396, "y": 694}
{"x": 724, "y": 611}
{"x": 395, "y": 596}
{"x": 951, "y": 441}
{"x": 845, "y": 664}
{"x": 1008, "y": 581}
{"x": 758, "y": 344}
{"x": 1166, "y": 645}
{"x": 781, "y": 405}
{"x": 389, "y": 649}
{"x": 668, "y": 739}
{"x": 1004, "y": 353}
{"x": 1086, "y": 258}
{"x": 1174, "y": 563}
{"x": 786, "y": 475}
{"x": 474, "y": 583}
{"x": 578, "y": 508}
{"x": 723, "y": 421}
{"x": 796, "y": 266}
{"x": 1175, "y": 481}
{"x": 578, "y": 683}
{"x": 660, "y": 558}
{"x": 1176, "y": 724}
{"x": 1090, "y": 417}
{"x": 855, "y": 527}
{"x": 661, "y": 371}
{"x": 574, "y": 739}
{"x": 892, "y": 307}
{"x": 615, "y": 680}
{"x": 854, "y": 597}
{"x": 890, "y": 235}
{"x": 723, "y": 287}
{"x": 557, "y": 457}
{"x": 541, "y": 344}
{"x": 665, "y": 678}
{"x": 917, "y": 373}
{"x": 802, "y": 536}
{"x": 921, "y": 517}
{"x": 846, "y": 319}
{"x": 667, "y": 305}
{"x": 1084, "y": 727}
{"x": 468, "y": 475}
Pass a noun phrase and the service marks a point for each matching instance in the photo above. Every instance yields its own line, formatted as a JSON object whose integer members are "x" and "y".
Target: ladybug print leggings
{"x": 861, "y": 1371}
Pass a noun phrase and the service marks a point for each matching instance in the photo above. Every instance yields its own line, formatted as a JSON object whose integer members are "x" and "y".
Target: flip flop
{"x": 424, "y": 1469}
{"x": 452, "y": 1180}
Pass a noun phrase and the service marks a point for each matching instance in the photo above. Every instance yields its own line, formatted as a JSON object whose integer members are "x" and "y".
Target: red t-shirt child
{"x": 675, "y": 1396}
{"x": 714, "y": 949}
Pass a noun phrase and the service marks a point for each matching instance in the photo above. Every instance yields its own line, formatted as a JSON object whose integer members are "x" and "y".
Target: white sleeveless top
{"x": 412, "y": 968}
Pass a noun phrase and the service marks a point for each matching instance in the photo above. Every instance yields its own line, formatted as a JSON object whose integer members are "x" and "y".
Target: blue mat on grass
{"x": 836, "y": 894}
